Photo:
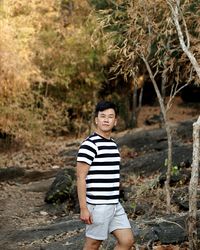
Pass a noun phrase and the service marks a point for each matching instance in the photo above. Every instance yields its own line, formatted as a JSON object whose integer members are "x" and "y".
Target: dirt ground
{"x": 22, "y": 203}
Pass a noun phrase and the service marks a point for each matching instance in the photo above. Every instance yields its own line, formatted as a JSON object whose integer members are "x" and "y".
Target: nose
{"x": 105, "y": 119}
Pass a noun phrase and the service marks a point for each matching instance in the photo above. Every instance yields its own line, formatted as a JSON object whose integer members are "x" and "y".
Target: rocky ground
{"x": 22, "y": 194}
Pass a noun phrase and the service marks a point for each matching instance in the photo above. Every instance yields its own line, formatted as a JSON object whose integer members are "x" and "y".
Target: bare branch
{"x": 186, "y": 30}
{"x": 174, "y": 6}
{"x": 176, "y": 90}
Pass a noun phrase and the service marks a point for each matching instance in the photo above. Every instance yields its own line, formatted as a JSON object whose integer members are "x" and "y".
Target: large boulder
{"x": 156, "y": 139}
{"x": 155, "y": 161}
{"x": 63, "y": 188}
{"x": 10, "y": 173}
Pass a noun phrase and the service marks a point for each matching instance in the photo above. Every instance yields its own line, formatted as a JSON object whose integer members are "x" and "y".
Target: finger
{"x": 88, "y": 221}
{"x": 91, "y": 220}
{"x": 83, "y": 219}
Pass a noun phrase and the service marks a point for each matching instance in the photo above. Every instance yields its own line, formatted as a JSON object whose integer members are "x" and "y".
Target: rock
{"x": 144, "y": 140}
{"x": 39, "y": 186}
{"x": 170, "y": 229}
{"x": 35, "y": 175}
{"x": 178, "y": 176}
{"x": 156, "y": 139}
{"x": 138, "y": 208}
{"x": 68, "y": 233}
{"x": 155, "y": 119}
{"x": 21, "y": 175}
{"x": 185, "y": 129}
{"x": 151, "y": 163}
{"x": 40, "y": 236}
{"x": 181, "y": 198}
{"x": 63, "y": 188}
{"x": 11, "y": 173}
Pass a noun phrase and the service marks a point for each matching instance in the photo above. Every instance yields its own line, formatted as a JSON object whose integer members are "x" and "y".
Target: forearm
{"x": 82, "y": 170}
{"x": 81, "y": 189}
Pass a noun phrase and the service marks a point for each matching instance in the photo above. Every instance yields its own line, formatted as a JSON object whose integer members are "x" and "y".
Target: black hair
{"x": 103, "y": 105}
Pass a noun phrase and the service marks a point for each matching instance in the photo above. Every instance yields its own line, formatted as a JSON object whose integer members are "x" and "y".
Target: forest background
{"x": 58, "y": 58}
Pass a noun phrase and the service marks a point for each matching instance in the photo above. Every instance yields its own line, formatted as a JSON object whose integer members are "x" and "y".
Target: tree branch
{"x": 174, "y": 6}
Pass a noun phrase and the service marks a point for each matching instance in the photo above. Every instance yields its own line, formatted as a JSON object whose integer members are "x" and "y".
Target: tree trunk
{"x": 133, "y": 122}
{"x": 169, "y": 137}
{"x": 192, "y": 221}
{"x": 169, "y": 165}
{"x": 163, "y": 88}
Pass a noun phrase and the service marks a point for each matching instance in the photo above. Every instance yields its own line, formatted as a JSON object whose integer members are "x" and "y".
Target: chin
{"x": 107, "y": 130}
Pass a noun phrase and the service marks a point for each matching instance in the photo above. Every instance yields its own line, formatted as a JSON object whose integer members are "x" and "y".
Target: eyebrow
{"x": 108, "y": 115}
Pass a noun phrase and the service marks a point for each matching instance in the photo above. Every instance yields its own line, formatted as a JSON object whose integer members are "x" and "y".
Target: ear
{"x": 95, "y": 120}
{"x": 115, "y": 123}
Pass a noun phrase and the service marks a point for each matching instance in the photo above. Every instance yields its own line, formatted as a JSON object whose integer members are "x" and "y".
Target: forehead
{"x": 107, "y": 112}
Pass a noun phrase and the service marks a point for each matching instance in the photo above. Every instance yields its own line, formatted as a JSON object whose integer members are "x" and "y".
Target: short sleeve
{"x": 87, "y": 152}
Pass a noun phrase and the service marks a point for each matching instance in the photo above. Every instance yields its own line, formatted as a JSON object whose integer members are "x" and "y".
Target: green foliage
{"x": 175, "y": 170}
{"x": 133, "y": 205}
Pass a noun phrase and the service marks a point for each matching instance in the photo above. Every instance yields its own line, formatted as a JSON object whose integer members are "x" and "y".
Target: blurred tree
{"x": 48, "y": 66}
{"x": 136, "y": 28}
{"x": 54, "y": 67}
{"x": 142, "y": 37}
{"x": 16, "y": 70}
{"x": 71, "y": 67}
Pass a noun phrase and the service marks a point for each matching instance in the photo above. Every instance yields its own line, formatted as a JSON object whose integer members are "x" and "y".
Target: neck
{"x": 106, "y": 135}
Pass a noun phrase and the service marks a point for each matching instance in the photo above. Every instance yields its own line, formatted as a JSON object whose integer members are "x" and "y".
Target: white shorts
{"x": 106, "y": 219}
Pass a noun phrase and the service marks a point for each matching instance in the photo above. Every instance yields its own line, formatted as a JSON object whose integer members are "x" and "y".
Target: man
{"x": 98, "y": 180}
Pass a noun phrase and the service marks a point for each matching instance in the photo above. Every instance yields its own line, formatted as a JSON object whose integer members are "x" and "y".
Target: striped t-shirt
{"x": 102, "y": 181}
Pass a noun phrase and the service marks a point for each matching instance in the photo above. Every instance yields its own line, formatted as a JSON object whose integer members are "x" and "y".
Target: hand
{"x": 85, "y": 216}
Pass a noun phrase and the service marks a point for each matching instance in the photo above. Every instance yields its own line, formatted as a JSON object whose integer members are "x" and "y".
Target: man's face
{"x": 106, "y": 120}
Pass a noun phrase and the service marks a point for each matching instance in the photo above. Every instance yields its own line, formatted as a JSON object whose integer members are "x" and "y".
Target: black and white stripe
{"x": 104, "y": 174}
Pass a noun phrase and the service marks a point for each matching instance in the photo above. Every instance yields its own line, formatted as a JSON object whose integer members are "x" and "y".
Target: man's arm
{"x": 82, "y": 170}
